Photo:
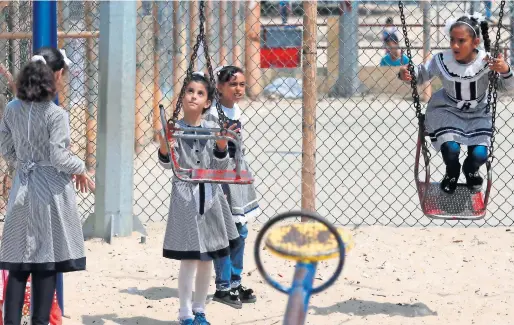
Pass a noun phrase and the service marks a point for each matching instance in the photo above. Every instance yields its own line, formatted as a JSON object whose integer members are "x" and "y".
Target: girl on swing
{"x": 200, "y": 226}
{"x": 458, "y": 113}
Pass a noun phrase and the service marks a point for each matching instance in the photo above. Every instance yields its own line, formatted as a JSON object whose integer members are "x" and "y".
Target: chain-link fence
{"x": 366, "y": 129}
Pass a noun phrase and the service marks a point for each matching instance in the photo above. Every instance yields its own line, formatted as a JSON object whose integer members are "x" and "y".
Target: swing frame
{"x": 171, "y": 132}
{"x": 479, "y": 200}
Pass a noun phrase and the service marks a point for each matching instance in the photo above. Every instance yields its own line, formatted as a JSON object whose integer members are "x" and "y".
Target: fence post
{"x": 113, "y": 214}
{"x": 44, "y": 33}
{"x": 253, "y": 48}
{"x": 236, "y": 21}
{"x": 427, "y": 87}
{"x": 221, "y": 35}
{"x": 472, "y": 7}
{"x": 157, "y": 94}
{"x": 348, "y": 80}
{"x": 309, "y": 67}
{"x": 193, "y": 27}
{"x": 89, "y": 88}
{"x": 512, "y": 33}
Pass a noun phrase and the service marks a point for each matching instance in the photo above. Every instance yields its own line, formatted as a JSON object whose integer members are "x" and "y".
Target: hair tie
{"x": 37, "y": 58}
{"x": 218, "y": 70}
{"x": 451, "y": 22}
{"x": 199, "y": 73}
{"x": 66, "y": 60}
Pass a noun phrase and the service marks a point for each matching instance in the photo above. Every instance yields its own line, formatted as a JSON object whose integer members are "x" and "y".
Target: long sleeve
{"x": 164, "y": 160}
{"x": 60, "y": 156}
{"x": 506, "y": 81}
{"x": 6, "y": 140}
{"x": 220, "y": 159}
{"x": 426, "y": 72}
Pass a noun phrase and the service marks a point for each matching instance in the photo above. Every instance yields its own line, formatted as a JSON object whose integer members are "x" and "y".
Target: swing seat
{"x": 199, "y": 175}
{"x": 307, "y": 242}
{"x": 463, "y": 204}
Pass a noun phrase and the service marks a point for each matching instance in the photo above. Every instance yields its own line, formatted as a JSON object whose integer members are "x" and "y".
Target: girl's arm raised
{"x": 162, "y": 152}
{"x": 60, "y": 156}
{"x": 506, "y": 78}
{"x": 424, "y": 72}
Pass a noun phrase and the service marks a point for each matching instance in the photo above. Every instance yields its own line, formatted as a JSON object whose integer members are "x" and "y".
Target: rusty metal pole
{"x": 89, "y": 88}
{"x": 222, "y": 34}
{"x": 309, "y": 67}
{"x": 236, "y": 48}
{"x": 252, "y": 49}
{"x": 157, "y": 95}
{"x": 193, "y": 25}
{"x": 427, "y": 88}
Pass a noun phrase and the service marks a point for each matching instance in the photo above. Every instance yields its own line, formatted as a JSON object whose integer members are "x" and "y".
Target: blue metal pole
{"x": 44, "y": 33}
{"x": 300, "y": 294}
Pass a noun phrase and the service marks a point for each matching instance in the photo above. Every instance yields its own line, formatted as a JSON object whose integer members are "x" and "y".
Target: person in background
{"x": 284, "y": 11}
{"x": 394, "y": 56}
{"x": 389, "y": 29}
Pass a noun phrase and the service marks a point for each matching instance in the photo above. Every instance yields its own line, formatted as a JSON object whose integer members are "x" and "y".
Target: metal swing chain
{"x": 200, "y": 39}
{"x": 413, "y": 81}
{"x": 493, "y": 84}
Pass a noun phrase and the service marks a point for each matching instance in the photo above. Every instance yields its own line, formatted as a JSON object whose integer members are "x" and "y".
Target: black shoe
{"x": 473, "y": 179}
{"x": 449, "y": 182}
{"x": 229, "y": 298}
{"x": 245, "y": 294}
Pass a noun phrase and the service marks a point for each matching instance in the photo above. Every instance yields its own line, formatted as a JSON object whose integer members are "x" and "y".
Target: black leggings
{"x": 477, "y": 156}
{"x": 42, "y": 287}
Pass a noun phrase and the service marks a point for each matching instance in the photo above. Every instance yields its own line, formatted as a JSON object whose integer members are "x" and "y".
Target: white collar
{"x": 464, "y": 70}
{"x": 233, "y": 113}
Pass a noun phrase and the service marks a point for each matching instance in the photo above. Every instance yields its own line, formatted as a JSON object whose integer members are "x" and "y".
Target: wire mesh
{"x": 365, "y": 121}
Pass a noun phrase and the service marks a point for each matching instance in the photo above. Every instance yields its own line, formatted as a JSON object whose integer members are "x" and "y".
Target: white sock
{"x": 185, "y": 287}
{"x": 203, "y": 280}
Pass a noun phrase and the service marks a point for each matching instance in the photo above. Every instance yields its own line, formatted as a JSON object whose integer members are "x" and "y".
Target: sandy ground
{"x": 392, "y": 276}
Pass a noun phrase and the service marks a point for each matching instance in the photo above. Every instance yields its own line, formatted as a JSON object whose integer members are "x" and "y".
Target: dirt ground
{"x": 392, "y": 276}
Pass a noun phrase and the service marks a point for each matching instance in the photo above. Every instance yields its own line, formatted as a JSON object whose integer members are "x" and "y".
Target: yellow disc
{"x": 306, "y": 241}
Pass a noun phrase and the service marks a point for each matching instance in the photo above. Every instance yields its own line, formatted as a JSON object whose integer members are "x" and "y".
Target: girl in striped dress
{"x": 200, "y": 226}
{"x": 42, "y": 234}
{"x": 458, "y": 114}
{"x": 242, "y": 198}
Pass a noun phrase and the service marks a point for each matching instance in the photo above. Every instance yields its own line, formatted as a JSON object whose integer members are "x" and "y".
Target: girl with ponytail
{"x": 458, "y": 113}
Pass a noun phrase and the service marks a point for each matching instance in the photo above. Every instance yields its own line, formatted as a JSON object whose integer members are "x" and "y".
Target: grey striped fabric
{"x": 189, "y": 233}
{"x": 42, "y": 226}
{"x": 458, "y": 111}
{"x": 241, "y": 197}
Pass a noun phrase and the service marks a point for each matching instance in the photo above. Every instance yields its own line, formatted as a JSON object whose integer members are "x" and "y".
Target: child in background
{"x": 394, "y": 57}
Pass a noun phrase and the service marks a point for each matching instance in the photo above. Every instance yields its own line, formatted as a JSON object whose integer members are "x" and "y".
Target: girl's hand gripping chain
{"x": 222, "y": 143}
{"x": 498, "y": 65}
{"x": 404, "y": 73}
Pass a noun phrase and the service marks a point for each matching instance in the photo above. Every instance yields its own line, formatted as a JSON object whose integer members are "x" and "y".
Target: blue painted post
{"x": 300, "y": 294}
{"x": 44, "y": 33}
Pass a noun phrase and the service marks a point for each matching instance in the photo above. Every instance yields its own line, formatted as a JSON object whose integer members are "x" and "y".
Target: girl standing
{"x": 200, "y": 226}
{"x": 42, "y": 235}
{"x": 242, "y": 198}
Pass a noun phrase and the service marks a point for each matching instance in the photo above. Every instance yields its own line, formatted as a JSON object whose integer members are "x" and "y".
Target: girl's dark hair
{"x": 226, "y": 73}
{"x": 200, "y": 78}
{"x": 478, "y": 29}
{"x": 36, "y": 81}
